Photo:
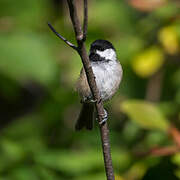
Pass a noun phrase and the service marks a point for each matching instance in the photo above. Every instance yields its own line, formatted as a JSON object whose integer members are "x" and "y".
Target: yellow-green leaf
{"x": 146, "y": 114}
{"x": 169, "y": 39}
{"x": 148, "y": 62}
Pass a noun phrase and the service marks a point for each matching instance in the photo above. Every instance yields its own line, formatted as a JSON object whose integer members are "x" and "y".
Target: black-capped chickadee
{"x": 108, "y": 74}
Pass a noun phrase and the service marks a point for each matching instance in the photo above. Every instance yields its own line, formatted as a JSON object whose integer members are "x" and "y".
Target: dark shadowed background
{"x": 39, "y": 106}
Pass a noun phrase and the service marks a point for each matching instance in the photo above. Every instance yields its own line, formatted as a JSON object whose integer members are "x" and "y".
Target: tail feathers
{"x": 86, "y": 117}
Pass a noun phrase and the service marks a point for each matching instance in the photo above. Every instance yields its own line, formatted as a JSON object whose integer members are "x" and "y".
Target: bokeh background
{"x": 39, "y": 106}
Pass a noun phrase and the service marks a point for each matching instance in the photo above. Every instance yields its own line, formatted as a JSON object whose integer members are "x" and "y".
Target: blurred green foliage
{"x": 38, "y": 104}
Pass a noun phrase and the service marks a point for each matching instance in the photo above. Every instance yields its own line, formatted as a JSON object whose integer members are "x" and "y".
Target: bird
{"x": 108, "y": 75}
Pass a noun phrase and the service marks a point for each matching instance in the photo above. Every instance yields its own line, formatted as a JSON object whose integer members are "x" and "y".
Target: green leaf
{"x": 25, "y": 56}
{"x": 82, "y": 162}
{"x": 25, "y": 13}
{"x": 24, "y": 173}
{"x": 11, "y": 153}
{"x": 12, "y": 150}
{"x": 170, "y": 10}
{"x": 146, "y": 114}
{"x": 94, "y": 176}
{"x": 73, "y": 163}
{"x": 176, "y": 159}
{"x": 136, "y": 171}
{"x": 156, "y": 138}
{"x": 46, "y": 173}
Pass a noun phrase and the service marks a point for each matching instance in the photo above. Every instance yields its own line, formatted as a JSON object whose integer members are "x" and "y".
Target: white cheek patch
{"x": 107, "y": 54}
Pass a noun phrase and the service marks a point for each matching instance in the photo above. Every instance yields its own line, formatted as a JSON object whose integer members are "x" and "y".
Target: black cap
{"x": 101, "y": 45}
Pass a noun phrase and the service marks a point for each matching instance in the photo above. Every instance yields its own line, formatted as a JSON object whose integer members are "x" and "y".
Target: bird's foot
{"x": 92, "y": 101}
{"x": 104, "y": 117}
{"x": 88, "y": 99}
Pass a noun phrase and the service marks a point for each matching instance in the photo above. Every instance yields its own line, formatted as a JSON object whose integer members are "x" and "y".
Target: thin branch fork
{"x": 80, "y": 38}
{"x": 165, "y": 151}
{"x": 62, "y": 38}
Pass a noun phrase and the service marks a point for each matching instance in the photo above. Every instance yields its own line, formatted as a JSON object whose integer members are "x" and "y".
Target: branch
{"x": 158, "y": 151}
{"x": 165, "y": 151}
{"x": 75, "y": 20}
{"x": 175, "y": 134}
{"x": 62, "y": 38}
{"x": 85, "y": 23}
{"x": 92, "y": 84}
{"x": 80, "y": 38}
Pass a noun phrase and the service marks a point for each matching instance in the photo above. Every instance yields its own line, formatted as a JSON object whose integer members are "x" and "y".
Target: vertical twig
{"x": 80, "y": 38}
{"x": 85, "y": 23}
{"x": 75, "y": 21}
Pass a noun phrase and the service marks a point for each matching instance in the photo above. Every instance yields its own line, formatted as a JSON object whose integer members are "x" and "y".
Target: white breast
{"x": 108, "y": 77}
